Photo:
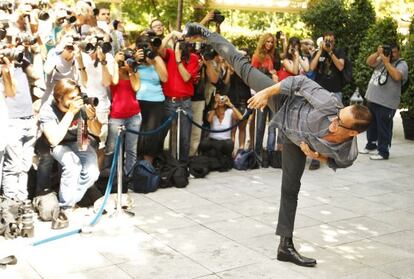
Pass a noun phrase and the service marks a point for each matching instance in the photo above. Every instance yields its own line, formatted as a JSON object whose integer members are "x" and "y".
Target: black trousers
{"x": 293, "y": 162}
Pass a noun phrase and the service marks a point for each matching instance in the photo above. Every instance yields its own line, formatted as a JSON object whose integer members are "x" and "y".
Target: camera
{"x": 386, "y": 50}
{"x": 278, "y": 35}
{"x": 6, "y": 6}
{"x": 43, "y": 15}
{"x": 222, "y": 98}
{"x": 4, "y": 24}
{"x": 148, "y": 52}
{"x": 93, "y": 101}
{"x": 328, "y": 43}
{"x": 90, "y": 47}
{"x": 15, "y": 54}
{"x": 207, "y": 52}
{"x": 154, "y": 41}
{"x": 65, "y": 16}
{"x": 218, "y": 17}
{"x": 27, "y": 39}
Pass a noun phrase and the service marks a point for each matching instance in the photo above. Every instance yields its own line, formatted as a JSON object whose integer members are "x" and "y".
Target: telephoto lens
{"x": 26, "y": 219}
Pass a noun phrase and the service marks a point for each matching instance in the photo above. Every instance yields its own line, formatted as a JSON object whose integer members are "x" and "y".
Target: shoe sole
{"x": 286, "y": 259}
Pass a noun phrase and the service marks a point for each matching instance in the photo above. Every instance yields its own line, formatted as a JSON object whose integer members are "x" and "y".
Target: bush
{"x": 407, "y": 98}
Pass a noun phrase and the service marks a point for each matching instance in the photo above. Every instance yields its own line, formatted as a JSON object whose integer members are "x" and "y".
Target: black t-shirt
{"x": 239, "y": 92}
{"x": 327, "y": 74}
{"x": 200, "y": 86}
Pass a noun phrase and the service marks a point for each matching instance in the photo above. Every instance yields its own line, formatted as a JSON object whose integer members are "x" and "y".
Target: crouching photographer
{"x": 383, "y": 96}
{"x": 69, "y": 126}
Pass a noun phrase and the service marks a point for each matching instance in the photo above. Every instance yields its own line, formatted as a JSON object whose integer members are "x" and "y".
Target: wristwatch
{"x": 178, "y": 62}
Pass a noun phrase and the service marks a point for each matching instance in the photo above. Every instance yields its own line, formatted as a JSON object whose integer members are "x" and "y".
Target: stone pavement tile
{"x": 305, "y": 200}
{"x": 329, "y": 265}
{"x": 240, "y": 228}
{"x": 265, "y": 244}
{"x": 72, "y": 254}
{"x": 174, "y": 198}
{"x": 328, "y": 213}
{"x": 220, "y": 193}
{"x": 101, "y": 273}
{"x": 212, "y": 276}
{"x": 263, "y": 270}
{"x": 360, "y": 206}
{"x": 371, "y": 189}
{"x": 371, "y": 253}
{"x": 398, "y": 218}
{"x": 379, "y": 174}
{"x": 301, "y": 221}
{"x": 399, "y": 200}
{"x": 401, "y": 269}
{"x": 22, "y": 270}
{"x": 163, "y": 263}
{"x": 365, "y": 227}
{"x": 209, "y": 213}
{"x": 367, "y": 273}
{"x": 326, "y": 235}
{"x": 209, "y": 249}
{"x": 403, "y": 240}
{"x": 251, "y": 207}
{"x": 162, "y": 221}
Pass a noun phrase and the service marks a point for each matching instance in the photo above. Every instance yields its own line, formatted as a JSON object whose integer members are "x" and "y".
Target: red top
{"x": 124, "y": 103}
{"x": 267, "y": 63}
{"x": 175, "y": 85}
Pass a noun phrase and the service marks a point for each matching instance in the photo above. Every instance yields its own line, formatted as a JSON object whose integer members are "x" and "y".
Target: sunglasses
{"x": 340, "y": 123}
{"x": 70, "y": 48}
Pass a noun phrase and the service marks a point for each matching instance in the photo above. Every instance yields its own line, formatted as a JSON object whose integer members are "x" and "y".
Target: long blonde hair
{"x": 261, "y": 51}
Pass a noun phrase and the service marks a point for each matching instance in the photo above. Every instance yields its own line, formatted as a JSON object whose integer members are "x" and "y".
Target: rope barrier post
{"x": 178, "y": 132}
{"x": 121, "y": 134}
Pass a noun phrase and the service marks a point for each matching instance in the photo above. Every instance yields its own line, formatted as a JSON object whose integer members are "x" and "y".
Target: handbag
{"x": 145, "y": 178}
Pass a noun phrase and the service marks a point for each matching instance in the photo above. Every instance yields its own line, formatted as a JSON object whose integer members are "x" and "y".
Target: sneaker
{"x": 377, "y": 157}
{"x": 195, "y": 29}
{"x": 368, "y": 151}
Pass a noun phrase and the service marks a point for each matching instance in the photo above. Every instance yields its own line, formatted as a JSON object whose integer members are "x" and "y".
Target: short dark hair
{"x": 394, "y": 45}
{"x": 328, "y": 33}
{"x": 154, "y": 20}
{"x": 362, "y": 116}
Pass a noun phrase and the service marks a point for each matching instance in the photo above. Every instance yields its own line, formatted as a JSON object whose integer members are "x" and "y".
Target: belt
{"x": 178, "y": 99}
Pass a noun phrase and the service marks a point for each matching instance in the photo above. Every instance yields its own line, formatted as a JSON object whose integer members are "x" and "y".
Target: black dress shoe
{"x": 287, "y": 253}
{"x": 195, "y": 29}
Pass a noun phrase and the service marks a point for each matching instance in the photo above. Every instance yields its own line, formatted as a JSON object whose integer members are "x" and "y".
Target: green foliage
{"x": 244, "y": 42}
{"x": 142, "y": 12}
{"x": 384, "y": 31}
{"x": 322, "y": 16}
{"x": 407, "y": 98}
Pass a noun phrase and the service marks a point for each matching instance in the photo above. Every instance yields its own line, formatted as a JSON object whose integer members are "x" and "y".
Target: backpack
{"x": 347, "y": 72}
{"x": 145, "y": 178}
{"x": 199, "y": 166}
{"x": 245, "y": 160}
{"x": 172, "y": 172}
{"x": 406, "y": 84}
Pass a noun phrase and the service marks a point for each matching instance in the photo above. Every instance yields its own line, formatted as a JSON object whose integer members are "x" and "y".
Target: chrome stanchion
{"x": 121, "y": 134}
{"x": 178, "y": 132}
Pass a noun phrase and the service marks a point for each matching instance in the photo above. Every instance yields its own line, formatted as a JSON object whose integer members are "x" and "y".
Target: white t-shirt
{"x": 4, "y": 117}
{"x": 226, "y": 123}
{"x": 94, "y": 87}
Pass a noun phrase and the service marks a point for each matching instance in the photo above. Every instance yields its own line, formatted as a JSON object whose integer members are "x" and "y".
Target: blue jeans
{"x": 260, "y": 129}
{"x": 379, "y": 133}
{"x": 18, "y": 156}
{"x": 185, "y": 126}
{"x": 131, "y": 141}
{"x": 79, "y": 172}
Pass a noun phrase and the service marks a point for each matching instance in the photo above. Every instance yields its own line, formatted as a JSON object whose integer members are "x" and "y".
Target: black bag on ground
{"x": 91, "y": 196}
{"x": 145, "y": 178}
{"x": 199, "y": 166}
{"x": 245, "y": 160}
{"x": 172, "y": 172}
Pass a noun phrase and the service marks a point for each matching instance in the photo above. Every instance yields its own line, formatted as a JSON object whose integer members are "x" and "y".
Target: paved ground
{"x": 357, "y": 222}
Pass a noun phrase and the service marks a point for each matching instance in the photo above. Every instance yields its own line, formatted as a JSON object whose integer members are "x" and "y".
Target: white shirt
{"x": 4, "y": 117}
{"x": 226, "y": 123}
{"x": 95, "y": 87}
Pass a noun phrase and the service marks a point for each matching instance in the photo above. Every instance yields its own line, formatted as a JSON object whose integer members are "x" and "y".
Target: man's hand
{"x": 310, "y": 153}
{"x": 209, "y": 17}
{"x": 380, "y": 50}
{"x": 75, "y": 105}
{"x": 100, "y": 54}
{"x": 260, "y": 99}
{"x": 139, "y": 55}
{"x": 385, "y": 59}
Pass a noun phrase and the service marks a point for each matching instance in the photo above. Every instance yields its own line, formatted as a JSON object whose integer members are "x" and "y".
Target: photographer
{"x": 22, "y": 127}
{"x": 59, "y": 121}
{"x": 152, "y": 72}
{"x": 383, "y": 98}
{"x": 328, "y": 63}
{"x": 99, "y": 65}
{"x": 182, "y": 68}
{"x": 7, "y": 89}
{"x": 125, "y": 111}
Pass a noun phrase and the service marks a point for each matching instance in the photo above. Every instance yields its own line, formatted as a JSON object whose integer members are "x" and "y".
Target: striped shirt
{"x": 305, "y": 117}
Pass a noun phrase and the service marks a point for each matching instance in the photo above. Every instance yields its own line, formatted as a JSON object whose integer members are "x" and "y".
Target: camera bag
{"x": 246, "y": 160}
{"x": 145, "y": 178}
